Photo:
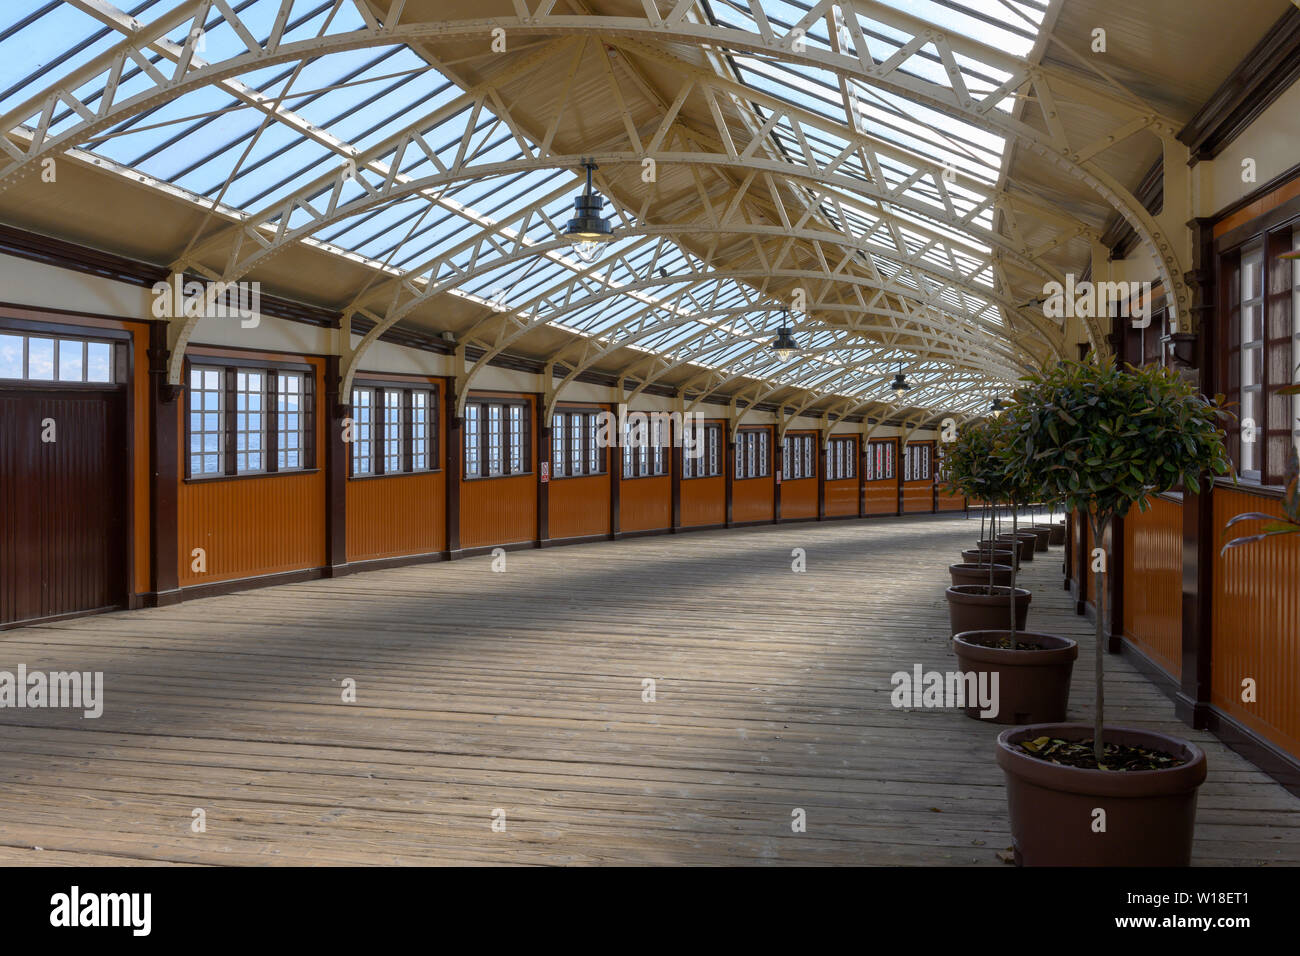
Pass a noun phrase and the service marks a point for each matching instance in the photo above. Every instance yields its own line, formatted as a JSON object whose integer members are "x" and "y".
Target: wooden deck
{"x": 522, "y": 691}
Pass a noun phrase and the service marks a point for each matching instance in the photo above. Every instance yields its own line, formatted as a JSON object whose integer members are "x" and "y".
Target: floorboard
{"x": 522, "y": 691}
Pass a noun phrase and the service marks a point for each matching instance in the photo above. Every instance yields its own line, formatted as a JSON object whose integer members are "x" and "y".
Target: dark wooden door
{"x": 62, "y": 503}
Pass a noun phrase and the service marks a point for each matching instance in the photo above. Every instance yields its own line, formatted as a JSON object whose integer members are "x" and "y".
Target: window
{"x": 497, "y": 439}
{"x": 880, "y": 460}
{"x": 363, "y": 431}
{"x": 706, "y": 440}
{"x": 291, "y": 438}
{"x": 48, "y": 358}
{"x": 250, "y": 424}
{"x": 753, "y": 457}
{"x": 574, "y": 444}
{"x": 645, "y": 441}
{"x": 916, "y": 462}
{"x": 247, "y": 419}
{"x": 841, "y": 459}
{"x": 207, "y": 444}
{"x": 798, "y": 457}
{"x": 1295, "y": 340}
{"x": 394, "y": 430}
{"x": 1252, "y": 359}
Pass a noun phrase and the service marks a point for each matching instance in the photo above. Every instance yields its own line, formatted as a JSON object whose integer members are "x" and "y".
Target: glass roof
{"x": 224, "y": 142}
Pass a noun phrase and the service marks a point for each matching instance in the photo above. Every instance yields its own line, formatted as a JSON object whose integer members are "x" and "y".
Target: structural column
{"x": 1192, "y": 703}
{"x": 336, "y": 471}
{"x": 164, "y": 471}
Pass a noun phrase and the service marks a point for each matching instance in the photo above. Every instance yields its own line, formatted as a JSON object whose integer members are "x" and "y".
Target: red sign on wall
{"x": 546, "y": 472}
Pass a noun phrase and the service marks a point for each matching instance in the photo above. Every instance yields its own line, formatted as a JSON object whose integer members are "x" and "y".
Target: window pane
{"x": 207, "y": 423}
{"x": 363, "y": 400}
{"x": 392, "y": 431}
{"x": 99, "y": 362}
{"x": 40, "y": 359}
{"x": 557, "y": 445}
{"x": 11, "y": 356}
{"x": 72, "y": 365}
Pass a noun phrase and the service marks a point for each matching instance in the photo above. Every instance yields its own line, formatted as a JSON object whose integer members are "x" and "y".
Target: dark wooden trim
{"x": 862, "y": 476}
{"x": 819, "y": 462}
{"x": 615, "y": 467}
{"x": 1161, "y": 678}
{"x": 574, "y": 539}
{"x": 729, "y": 439}
{"x": 334, "y": 409}
{"x": 1264, "y": 74}
{"x": 1278, "y": 764}
{"x": 482, "y": 550}
{"x": 164, "y": 469}
{"x": 235, "y": 585}
{"x": 1282, "y": 215}
{"x": 544, "y": 452}
{"x": 455, "y": 443}
{"x": 675, "y": 451}
{"x": 381, "y": 564}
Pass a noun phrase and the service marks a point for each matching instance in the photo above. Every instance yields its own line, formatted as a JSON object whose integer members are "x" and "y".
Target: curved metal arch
{"x": 369, "y": 200}
{"x": 668, "y": 231}
{"x": 674, "y": 29}
{"x": 522, "y": 329}
{"x": 934, "y": 344}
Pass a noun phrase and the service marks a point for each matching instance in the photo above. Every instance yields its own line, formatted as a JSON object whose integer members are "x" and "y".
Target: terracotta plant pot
{"x": 974, "y": 573}
{"x": 1033, "y": 686}
{"x": 1028, "y": 541}
{"x": 1150, "y": 814}
{"x": 1058, "y": 534}
{"x": 982, "y": 557}
{"x": 972, "y": 608}
{"x": 1043, "y": 534}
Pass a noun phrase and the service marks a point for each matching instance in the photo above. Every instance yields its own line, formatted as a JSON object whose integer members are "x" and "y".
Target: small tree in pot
{"x": 1102, "y": 440}
{"x": 972, "y": 469}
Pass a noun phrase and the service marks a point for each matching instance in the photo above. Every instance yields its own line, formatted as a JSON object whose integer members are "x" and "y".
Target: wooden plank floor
{"x": 522, "y": 691}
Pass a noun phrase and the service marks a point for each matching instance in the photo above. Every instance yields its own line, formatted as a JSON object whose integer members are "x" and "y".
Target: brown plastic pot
{"x": 981, "y": 556}
{"x": 1033, "y": 686}
{"x": 974, "y": 573}
{"x": 1150, "y": 814}
{"x": 1043, "y": 534}
{"x": 972, "y": 608}
{"x": 1058, "y": 534}
{"x": 1028, "y": 541}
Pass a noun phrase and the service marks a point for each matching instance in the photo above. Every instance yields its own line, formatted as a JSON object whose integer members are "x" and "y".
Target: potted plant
{"x": 1033, "y": 669}
{"x": 971, "y": 470}
{"x": 1102, "y": 440}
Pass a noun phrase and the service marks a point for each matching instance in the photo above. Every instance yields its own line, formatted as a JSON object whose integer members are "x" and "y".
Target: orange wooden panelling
{"x": 799, "y": 498}
{"x": 252, "y": 526}
{"x": 502, "y": 510}
{"x": 1257, "y": 625}
{"x": 752, "y": 499}
{"x": 951, "y": 502}
{"x": 645, "y": 504}
{"x": 1153, "y": 582}
{"x": 918, "y": 496}
{"x": 391, "y": 516}
{"x": 842, "y": 497}
{"x": 1284, "y": 193}
{"x": 578, "y": 507}
{"x": 498, "y": 511}
{"x": 882, "y": 497}
{"x": 704, "y": 501}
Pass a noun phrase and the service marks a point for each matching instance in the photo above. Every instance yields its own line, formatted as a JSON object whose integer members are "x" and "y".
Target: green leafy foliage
{"x": 1101, "y": 439}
